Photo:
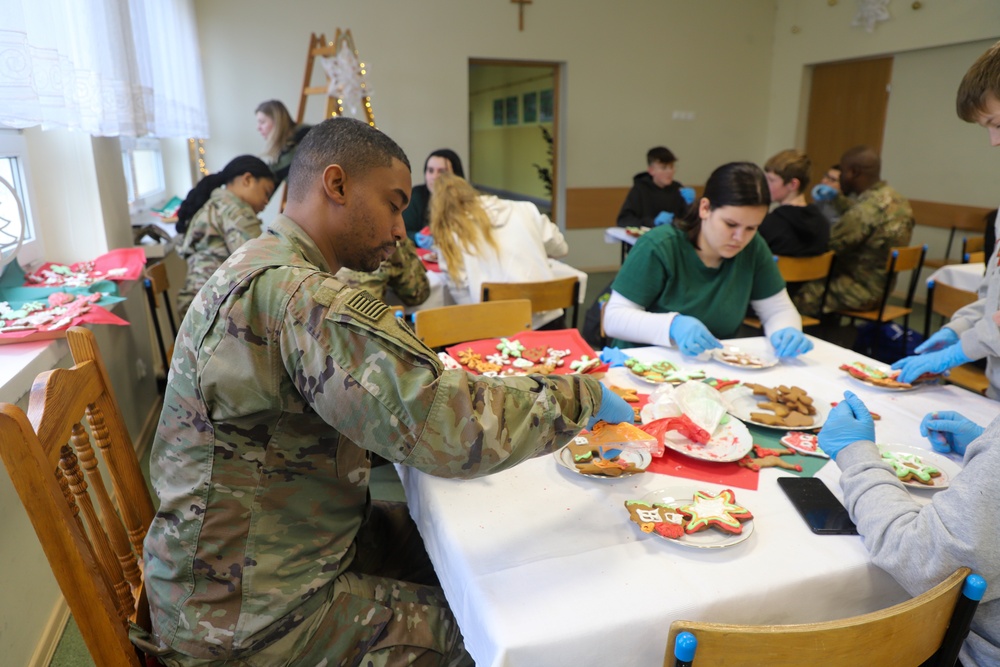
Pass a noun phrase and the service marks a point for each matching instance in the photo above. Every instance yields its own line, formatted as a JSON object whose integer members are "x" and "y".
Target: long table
{"x": 542, "y": 566}
{"x": 962, "y": 276}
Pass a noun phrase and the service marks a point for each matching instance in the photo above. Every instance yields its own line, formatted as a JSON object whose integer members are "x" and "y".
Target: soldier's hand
{"x": 613, "y": 409}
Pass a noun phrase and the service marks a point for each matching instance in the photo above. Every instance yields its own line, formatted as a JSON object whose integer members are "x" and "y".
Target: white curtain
{"x": 106, "y": 67}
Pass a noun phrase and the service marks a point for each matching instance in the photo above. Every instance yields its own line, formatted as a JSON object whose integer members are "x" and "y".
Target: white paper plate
{"x": 741, "y": 407}
{"x": 730, "y": 442}
{"x": 640, "y": 458}
{"x": 711, "y": 538}
{"x": 947, "y": 467}
{"x": 765, "y": 360}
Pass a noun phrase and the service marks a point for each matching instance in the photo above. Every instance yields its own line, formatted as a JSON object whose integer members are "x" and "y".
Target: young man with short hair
{"x": 795, "y": 228}
{"x": 655, "y": 197}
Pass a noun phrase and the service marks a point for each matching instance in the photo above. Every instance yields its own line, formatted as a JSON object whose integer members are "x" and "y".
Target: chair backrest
{"x": 801, "y": 269}
{"x": 157, "y": 290}
{"x": 909, "y": 633}
{"x": 974, "y": 257}
{"x": 544, "y": 295}
{"x": 447, "y": 325}
{"x": 973, "y": 244}
{"x": 92, "y": 537}
{"x": 944, "y": 300}
{"x": 903, "y": 258}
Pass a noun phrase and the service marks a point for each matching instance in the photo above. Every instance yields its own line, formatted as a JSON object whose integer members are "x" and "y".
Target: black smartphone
{"x": 818, "y": 506}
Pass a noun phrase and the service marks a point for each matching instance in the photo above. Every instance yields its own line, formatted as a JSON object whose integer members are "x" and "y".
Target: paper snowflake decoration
{"x": 871, "y": 12}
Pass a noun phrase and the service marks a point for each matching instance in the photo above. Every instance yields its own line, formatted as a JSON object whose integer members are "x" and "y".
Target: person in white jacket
{"x": 482, "y": 238}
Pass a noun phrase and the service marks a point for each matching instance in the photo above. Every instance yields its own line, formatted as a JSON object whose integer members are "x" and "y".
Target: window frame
{"x": 141, "y": 202}
{"x": 14, "y": 146}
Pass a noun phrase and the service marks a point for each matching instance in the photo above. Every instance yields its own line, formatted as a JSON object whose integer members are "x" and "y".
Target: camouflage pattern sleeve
{"x": 407, "y": 275}
{"x": 369, "y": 377}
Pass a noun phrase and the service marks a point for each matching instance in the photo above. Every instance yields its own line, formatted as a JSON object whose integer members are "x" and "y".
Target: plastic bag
{"x": 701, "y": 403}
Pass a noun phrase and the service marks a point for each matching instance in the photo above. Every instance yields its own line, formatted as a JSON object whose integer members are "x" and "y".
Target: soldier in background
{"x": 403, "y": 274}
{"x": 879, "y": 220}
{"x": 266, "y": 549}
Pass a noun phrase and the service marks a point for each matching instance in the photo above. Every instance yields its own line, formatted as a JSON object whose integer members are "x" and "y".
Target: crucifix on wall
{"x": 520, "y": 12}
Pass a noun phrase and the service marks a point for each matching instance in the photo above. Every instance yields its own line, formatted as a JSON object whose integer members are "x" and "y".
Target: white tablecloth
{"x": 543, "y": 567}
{"x": 961, "y": 276}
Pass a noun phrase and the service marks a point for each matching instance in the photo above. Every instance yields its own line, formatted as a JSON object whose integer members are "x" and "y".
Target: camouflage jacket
{"x": 403, "y": 273}
{"x": 219, "y": 227}
{"x": 880, "y": 219}
{"x": 278, "y": 386}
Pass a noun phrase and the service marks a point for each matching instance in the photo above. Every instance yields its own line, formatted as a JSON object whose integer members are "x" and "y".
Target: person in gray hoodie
{"x": 921, "y": 545}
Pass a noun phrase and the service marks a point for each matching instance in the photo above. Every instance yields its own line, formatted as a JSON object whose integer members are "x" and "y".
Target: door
{"x": 513, "y": 129}
{"x": 847, "y": 107}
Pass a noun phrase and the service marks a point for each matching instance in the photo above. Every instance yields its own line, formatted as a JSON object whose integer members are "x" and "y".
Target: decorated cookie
{"x": 721, "y": 512}
{"x": 806, "y": 443}
{"x": 756, "y": 464}
{"x": 874, "y": 376}
{"x": 911, "y": 468}
{"x": 740, "y": 358}
{"x": 584, "y": 364}
{"x": 449, "y": 361}
{"x": 511, "y": 348}
{"x": 655, "y": 517}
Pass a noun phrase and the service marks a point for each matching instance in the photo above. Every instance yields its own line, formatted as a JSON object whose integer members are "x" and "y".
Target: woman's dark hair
{"x": 450, "y": 156}
{"x": 200, "y": 193}
{"x": 733, "y": 184}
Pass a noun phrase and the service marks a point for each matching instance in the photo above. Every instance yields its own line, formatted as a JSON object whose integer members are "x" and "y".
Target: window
{"x": 13, "y": 169}
{"x": 143, "y": 165}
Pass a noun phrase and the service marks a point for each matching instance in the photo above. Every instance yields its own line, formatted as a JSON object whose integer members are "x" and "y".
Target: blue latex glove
{"x": 824, "y": 192}
{"x": 847, "y": 423}
{"x": 688, "y": 194}
{"x": 949, "y": 431}
{"x": 425, "y": 241}
{"x": 613, "y": 409}
{"x": 935, "y": 362}
{"x": 613, "y": 356}
{"x": 943, "y": 338}
{"x": 663, "y": 218}
{"x": 790, "y": 342}
{"x": 691, "y": 336}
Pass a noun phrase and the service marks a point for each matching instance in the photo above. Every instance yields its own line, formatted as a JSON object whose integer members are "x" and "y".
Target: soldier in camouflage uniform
{"x": 880, "y": 219}
{"x": 403, "y": 273}
{"x": 217, "y": 221}
{"x": 265, "y": 549}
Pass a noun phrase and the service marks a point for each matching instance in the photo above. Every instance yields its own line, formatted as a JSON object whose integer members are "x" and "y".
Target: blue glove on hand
{"x": 663, "y": 218}
{"x": 425, "y": 241}
{"x": 824, "y": 193}
{"x": 847, "y": 423}
{"x": 936, "y": 362}
{"x": 691, "y": 336}
{"x": 949, "y": 431}
{"x": 944, "y": 337}
{"x": 790, "y": 342}
{"x": 613, "y": 410}
{"x": 613, "y": 357}
{"x": 688, "y": 194}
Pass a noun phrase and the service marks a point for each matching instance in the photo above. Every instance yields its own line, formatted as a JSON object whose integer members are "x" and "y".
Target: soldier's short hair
{"x": 789, "y": 164}
{"x": 982, "y": 79}
{"x": 660, "y": 154}
{"x": 355, "y": 145}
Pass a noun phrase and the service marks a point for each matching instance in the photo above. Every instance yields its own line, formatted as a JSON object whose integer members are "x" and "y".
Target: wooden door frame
{"x": 556, "y": 107}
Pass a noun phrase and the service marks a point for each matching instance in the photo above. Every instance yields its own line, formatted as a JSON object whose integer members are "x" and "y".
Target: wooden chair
{"x": 909, "y": 258}
{"x": 976, "y": 257}
{"x": 93, "y": 543}
{"x": 798, "y": 270}
{"x": 944, "y": 300}
{"x": 157, "y": 290}
{"x": 447, "y": 325}
{"x": 973, "y": 244}
{"x": 544, "y": 295}
{"x": 930, "y": 627}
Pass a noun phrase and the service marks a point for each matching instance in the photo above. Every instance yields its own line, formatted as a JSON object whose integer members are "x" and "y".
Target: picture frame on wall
{"x": 545, "y": 106}
{"x": 498, "y": 111}
{"x": 529, "y": 109}
{"x": 511, "y": 118}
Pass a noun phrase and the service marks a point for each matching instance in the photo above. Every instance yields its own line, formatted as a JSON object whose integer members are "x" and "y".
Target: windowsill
{"x": 20, "y": 363}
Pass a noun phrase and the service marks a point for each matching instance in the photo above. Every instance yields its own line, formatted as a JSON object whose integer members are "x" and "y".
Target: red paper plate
{"x": 559, "y": 339}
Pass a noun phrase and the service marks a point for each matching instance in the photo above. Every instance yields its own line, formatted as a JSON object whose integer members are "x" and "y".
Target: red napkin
{"x": 96, "y": 315}
{"x": 131, "y": 259}
{"x": 559, "y": 339}
{"x": 429, "y": 265}
{"x": 725, "y": 474}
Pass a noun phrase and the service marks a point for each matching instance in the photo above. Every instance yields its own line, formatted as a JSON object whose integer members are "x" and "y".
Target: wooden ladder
{"x": 320, "y": 47}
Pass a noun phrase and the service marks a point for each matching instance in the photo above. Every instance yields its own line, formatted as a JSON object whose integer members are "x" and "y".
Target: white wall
{"x": 629, "y": 66}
